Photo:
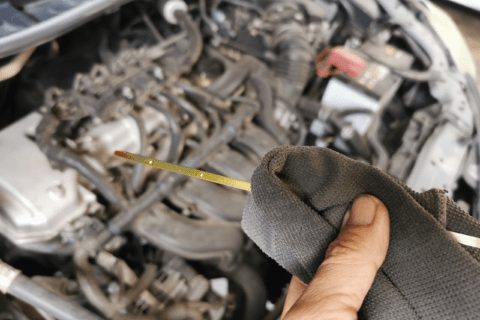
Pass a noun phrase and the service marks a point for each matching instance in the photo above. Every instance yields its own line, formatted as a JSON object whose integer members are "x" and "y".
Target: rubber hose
{"x": 294, "y": 61}
{"x": 254, "y": 289}
{"x": 55, "y": 305}
{"x": 197, "y": 117}
{"x": 94, "y": 293}
{"x": 381, "y": 152}
{"x": 203, "y": 12}
{"x": 148, "y": 276}
{"x": 265, "y": 95}
{"x": 420, "y": 76}
{"x": 217, "y": 124}
{"x": 89, "y": 286}
{"x": 67, "y": 157}
{"x": 233, "y": 77}
{"x": 195, "y": 37}
{"x": 176, "y": 146}
{"x": 205, "y": 97}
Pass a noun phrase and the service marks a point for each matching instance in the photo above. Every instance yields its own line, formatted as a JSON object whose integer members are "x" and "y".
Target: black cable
{"x": 204, "y": 97}
{"x": 177, "y": 143}
{"x": 215, "y": 119}
{"x": 149, "y": 23}
{"x": 195, "y": 37}
{"x": 234, "y": 76}
{"x": 259, "y": 81}
{"x": 197, "y": 117}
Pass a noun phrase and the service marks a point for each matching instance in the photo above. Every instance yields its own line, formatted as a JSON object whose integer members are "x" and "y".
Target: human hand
{"x": 343, "y": 279}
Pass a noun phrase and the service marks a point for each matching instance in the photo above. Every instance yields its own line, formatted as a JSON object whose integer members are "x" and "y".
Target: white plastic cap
{"x": 170, "y": 7}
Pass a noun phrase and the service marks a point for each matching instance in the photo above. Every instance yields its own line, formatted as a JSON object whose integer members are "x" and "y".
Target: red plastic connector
{"x": 338, "y": 60}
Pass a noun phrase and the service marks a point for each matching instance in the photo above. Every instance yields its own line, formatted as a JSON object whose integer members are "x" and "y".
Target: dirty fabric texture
{"x": 298, "y": 200}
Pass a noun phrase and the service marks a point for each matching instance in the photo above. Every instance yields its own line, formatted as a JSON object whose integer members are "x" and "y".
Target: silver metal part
{"x": 34, "y": 197}
{"x": 341, "y": 96}
{"x": 121, "y": 134}
{"x": 124, "y": 134}
{"x": 7, "y": 276}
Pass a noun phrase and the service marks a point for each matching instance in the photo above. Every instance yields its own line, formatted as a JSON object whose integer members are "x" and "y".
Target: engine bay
{"x": 211, "y": 85}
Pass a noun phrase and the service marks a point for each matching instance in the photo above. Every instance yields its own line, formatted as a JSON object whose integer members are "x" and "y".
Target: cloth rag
{"x": 295, "y": 210}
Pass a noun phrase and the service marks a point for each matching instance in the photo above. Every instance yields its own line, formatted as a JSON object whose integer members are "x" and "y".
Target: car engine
{"x": 212, "y": 85}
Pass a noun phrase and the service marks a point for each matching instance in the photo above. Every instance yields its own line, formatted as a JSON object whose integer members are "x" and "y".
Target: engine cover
{"x": 36, "y": 201}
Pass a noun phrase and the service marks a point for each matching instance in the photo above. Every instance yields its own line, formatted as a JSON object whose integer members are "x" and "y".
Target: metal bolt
{"x": 346, "y": 133}
{"x": 158, "y": 73}
{"x": 219, "y": 17}
{"x": 127, "y": 92}
{"x": 57, "y": 191}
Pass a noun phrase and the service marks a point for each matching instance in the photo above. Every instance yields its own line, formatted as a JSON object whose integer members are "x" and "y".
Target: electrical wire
{"x": 12, "y": 68}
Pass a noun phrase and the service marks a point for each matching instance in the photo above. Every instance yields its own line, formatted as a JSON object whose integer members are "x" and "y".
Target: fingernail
{"x": 363, "y": 211}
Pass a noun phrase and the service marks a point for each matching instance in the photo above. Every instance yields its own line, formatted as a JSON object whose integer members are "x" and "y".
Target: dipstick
{"x": 186, "y": 171}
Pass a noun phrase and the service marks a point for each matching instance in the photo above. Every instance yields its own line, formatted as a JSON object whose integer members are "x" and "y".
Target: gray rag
{"x": 298, "y": 200}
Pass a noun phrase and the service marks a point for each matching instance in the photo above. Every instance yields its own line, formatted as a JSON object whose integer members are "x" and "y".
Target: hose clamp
{"x": 7, "y": 275}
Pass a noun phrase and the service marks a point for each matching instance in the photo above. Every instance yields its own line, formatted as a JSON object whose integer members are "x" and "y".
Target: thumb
{"x": 343, "y": 279}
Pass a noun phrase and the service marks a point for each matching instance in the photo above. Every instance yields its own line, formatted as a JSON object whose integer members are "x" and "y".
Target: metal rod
{"x": 186, "y": 171}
